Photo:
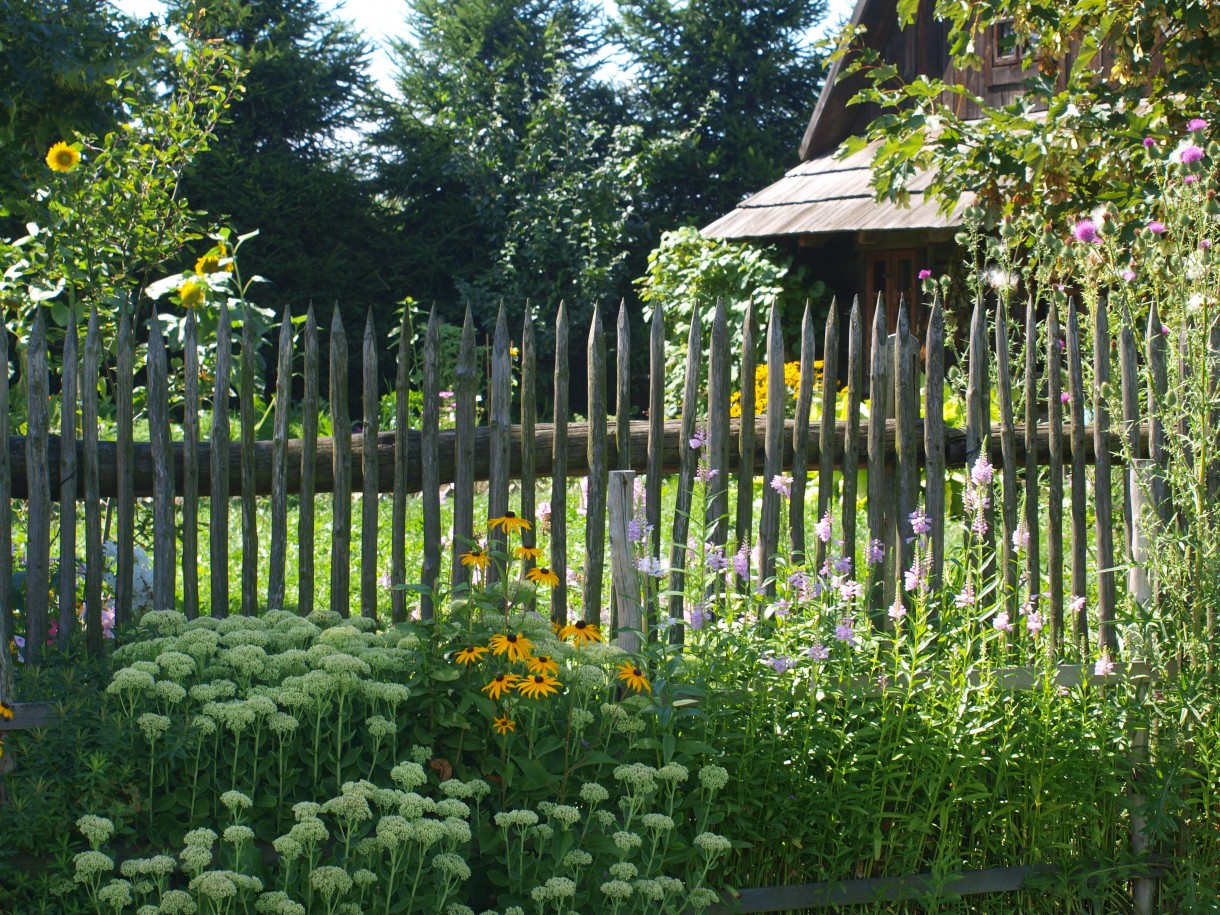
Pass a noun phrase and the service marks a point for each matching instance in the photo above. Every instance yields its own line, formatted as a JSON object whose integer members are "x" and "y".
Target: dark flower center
{"x": 636, "y": 672}
{"x": 512, "y": 638}
{"x": 581, "y": 624}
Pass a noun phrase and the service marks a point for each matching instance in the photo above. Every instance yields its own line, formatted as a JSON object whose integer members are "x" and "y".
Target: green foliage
{"x": 690, "y": 272}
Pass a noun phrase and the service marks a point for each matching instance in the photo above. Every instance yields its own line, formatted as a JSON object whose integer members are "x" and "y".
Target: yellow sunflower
{"x": 503, "y": 724}
{"x": 469, "y": 655}
{"x": 515, "y": 644}
{"x": 542, "y": 664}
{"x": 633, "y": 676}
{"x": 510, "y": 523}
{"x": 581, "y": 632}
{"x": 210, "y": 262}
{"x": 476, "y": 558}
{"x": 538, "y": 686}
{"x": 528, "y": 552}
{"x": 500, "y": 684}
{"x": 191, "y": 293}
{"x": 6, "y": 711}
{"x": 63, "y": 158}
{"x": 543, "y": 576}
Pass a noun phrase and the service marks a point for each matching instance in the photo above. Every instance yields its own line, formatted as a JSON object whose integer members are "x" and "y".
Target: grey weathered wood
{"x": 466, "y": 386}
{"x": 621, "y": 500}
{"x": 430, "y": 467}
{"x": 1139, "y": 583}
{"x": 1143, "y": 887}
{"x": 1054, "y": 485}
{"x": 716, "y": 506}
{"x": 744, "y": 528}
{"x": 190, "y": 467}
{"x": 219, "y": 468}
{"x": 278, "y": 547}
{"x": 656, "y": 446}
{"x": 67, "y": 482}
{"x": 1107, "y": 597}
{"x": 1079, "y": 546}
{"x": 559, "y": 478}
{"x": 165, "y": 533}
{"x": 341, "y": 500}
{"x": 830, "y": 400}
{"x": 500, "y": 421}
{"x": 851, "y": 435}
{"x": 1008, "y": 450}
{"x": 622, "y": 397}
{"x": 369, "y": 428}
{"x": 880, "y": 393}
{"x": 529, "y": 422}
{"x": 249, "y": 507}
{"x": 686, "y": 474}
{"x": 1128, "y": 364}
{"x": 978, "y": 413}
{"x": 309, "y": 466}
{"x": 934, "y": 439}
{"x": 398, "y": 520}
{"x": 1033, "y": 558}
{"x": 773, "y": 454}
{"x": 800, "y": 441}
{"x": 595, "y": 517}
{"x": 6, "y": 527}
{"x": 38, "y": 510}
{"x": 125, "y": 499}
{"x": 1157, "y": 354}
{"x": 906, "y": 417}
{"x": 90, "y": 372}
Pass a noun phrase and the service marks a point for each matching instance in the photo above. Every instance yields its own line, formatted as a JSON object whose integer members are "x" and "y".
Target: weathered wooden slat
{"x": 621, "y": 504}
{"x": 1103, "y": 501}
{"x": 686, "y": 474}
{"x": 278, "y": 547}
{"x": 67, "y": 483}
{"x": 6, "y": 527}
{"x": 430, "y": 467}
{"x": 622, "y": 395}
{"x": 774, "y": 440}
{"x": 249, "y": 508}
{"x": 830, "y": 400}
{"x": 500, "y": 421}
{"x": 744, "y": 529}
{"x": 1054, "y": 485}
{"x": 655, "y": 449}
{"x": 595, "y": 518}
{"x": 1033, "y": 559}
{"x": 800, "y": 441}
{"x": 906, "y": 417}
{"x": 1079, "y": 548}
{"x": 851, "y": 435}
{"x": 341, "y": 462}
{"x": 559, "y": 478}
{"x": 124, "y": 464}
{"x": 716, "y": 513}
{"x": 934, "y": 439}
{"x": 880, "y": 392}
{"x": 978, "y": 412}
{"x": 369, "y": 428}
{"x": 1008, "y": 452}
{"x": 38, "y": 510}
{"x": 90, "y": 373}
{"x": 1157, "y": 354}
{"x": 466, "y": 386}
{"x": 529, "y": 422}
{"x": 398, "y": 521}
{"x": 1213, "y": 396}
{"x": 165, "y": 533}
{"x": 309, "y": 467}
{"x": 1128, "y": 364}
{"x": 218, "y": 468}
{"x": 190, "y": 467}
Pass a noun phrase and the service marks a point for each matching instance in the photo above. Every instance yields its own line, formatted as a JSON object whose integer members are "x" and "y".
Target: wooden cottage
{"x": 824, "y": 210}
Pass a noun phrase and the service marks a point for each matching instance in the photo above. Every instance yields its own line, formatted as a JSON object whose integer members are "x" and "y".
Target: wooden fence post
{"x": 165, "y": 533}
{"x": 67, "y": 483}
{"x": 38, "y": 544}
{"x": 341, "y": 499}
{"x": 190, "y": 466}
{"x": 279, "y": 467}
{"x": 309, "y": 465}
{"x": 595, "y": 506}
{"x": 89, "y": 470}
{"x": 559, "y": 472}
{"x": 934, "y": 439}
{"x": 398, "y": 520}
{"x": 125, "y": 498}
{"x": 369, "y": 573}
{"x": 430, "y": 471}
{"x": 219, "y": 470}
{"x": 800, "y": 437}
{"x": 622, "y": 566}
{"x": 826, "y": 440}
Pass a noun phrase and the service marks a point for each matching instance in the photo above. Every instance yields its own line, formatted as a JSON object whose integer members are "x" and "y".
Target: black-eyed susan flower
{"x": 476, "y": 558}
{"x": 62, "y": 158}
{"x": 470, "y": 654}
{"x": 6, "y": 711}
{"x": 538, "y": 686}
{"x": 500, "y": 684}
{"x": 510, "y": 523}
{"x": 191, "y": 293}
{"x": 633, "y": 675}
{"x": 528, "y": 552}
{"x": 515, "y": 644}
{"x": 581, "y": 632}
{"x": 503, "y": 724}
{"x": 542, "y": 664}
{"x": 541, "y": 575}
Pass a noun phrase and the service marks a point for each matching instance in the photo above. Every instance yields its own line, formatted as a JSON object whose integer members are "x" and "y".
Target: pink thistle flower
{"x": 1206, "y": 244}
{"x": 1149, "y": 142}
{"x": 1065, "y": 397}
{"x": 1085, "y": 231}
{"x": 1165, "y": 330}
{"x": 1128, "y": 275}
{"x": 925, "y": 274}
{"x": 1156, "y": 227}
{"x": 1190, "y": 179}
{"x": 1196, "y": 124}
{"x": 1191, "y": 154}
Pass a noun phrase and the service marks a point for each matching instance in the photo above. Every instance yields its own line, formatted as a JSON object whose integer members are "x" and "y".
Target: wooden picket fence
{"x": 904, "y": 444}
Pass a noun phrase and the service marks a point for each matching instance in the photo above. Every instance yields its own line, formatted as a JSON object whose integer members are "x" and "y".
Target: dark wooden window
{"x": 894, "y": 275}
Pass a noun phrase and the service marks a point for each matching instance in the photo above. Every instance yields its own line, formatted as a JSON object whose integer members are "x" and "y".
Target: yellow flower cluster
{"x": 762, "y": 380}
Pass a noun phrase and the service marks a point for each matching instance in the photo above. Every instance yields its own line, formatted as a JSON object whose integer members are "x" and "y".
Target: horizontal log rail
{"x": 956, "y": 454}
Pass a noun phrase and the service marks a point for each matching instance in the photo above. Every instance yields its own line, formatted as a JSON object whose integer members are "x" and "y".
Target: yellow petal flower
{"x": 581, "y": 632}
{"x": 538, "y": 686}
{"x": 633, "y": 676}
{"x": 543, "y": 576}
{"x": 191, "y": 293}
{"x": 500, "y": 684}
{"x": 503, "y": 724}
{"x": 62, "y": 158}
{"x": 510, "y": 523}
{"x": 515, "y": 644}
{"x": 469, "y": 655}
